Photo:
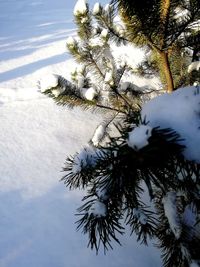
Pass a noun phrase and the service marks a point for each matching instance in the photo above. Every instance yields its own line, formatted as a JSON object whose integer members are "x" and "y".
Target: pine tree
{"x": 128, "y": 156}
{"x": 167, "y": 27}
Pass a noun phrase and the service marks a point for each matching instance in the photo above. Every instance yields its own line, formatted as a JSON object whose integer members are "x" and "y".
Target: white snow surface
{"x": 138, "y": 137}
{"x": 179, "y": 111}
{"x": 37, "y": 212}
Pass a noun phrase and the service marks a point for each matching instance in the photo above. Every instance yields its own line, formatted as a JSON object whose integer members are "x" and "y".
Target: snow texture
{"x": 194, "y": 66}
{"x": 102, "y": 194}
{"x": 96, "y": 9}
{"x": 98, "y": 135}
{"x": 85, "y": 158}
{"x": 109, "y": 78}
{"x": 90, "y": 93}
{"x": 124, "y": 86}
{"x": 104, "y": 33}
{"x": 70, "y": 41}
{"x": 138, "y": 137}
{"x": 179, "y": 111}
{"x": 98, "y": 209}
{"x": 139, "y": 214}
{"x": 96, "y": 41}
{"x": 107, "y": 8}
{"x": 80, "y": 8}
{"x": 48, "y": 82}
{"x": 194, "y": 264}
{"x": 80, "y": 81}
{"x": 37, "y": 211}
{"x": 169, "y": 204}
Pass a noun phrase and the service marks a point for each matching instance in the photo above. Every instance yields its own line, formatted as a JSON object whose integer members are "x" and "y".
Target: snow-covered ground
{"x": 37, "y": 212}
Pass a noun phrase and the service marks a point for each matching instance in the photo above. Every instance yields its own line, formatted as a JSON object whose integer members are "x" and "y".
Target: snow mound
{"x": 179, "y": 111}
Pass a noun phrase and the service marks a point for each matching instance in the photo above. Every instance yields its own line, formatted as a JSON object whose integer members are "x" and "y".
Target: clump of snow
{"x": 98, "y": 135}
{"x": 84, "y": 20}
{"x": 124, "y": 86}
{"x": 48, "y": 82}
{"x": 139, "y": 214}
{"x": 107, "y": 8}
{"x": 80, "y": 69}
{"x": 179, "y": 111}
{"x": 85, "y": 158}
{"x": 138, "y": 137}
{"x": 170, "y": 209}
{"x": 98, "y": 209}
{"x": 80, "y": 81}
{"x": 180, "y": 13}
{"x": 104, "y": 33}
{"x": 96, "y": 41}
{"x": 57, "y": 92}
{"x": 80, "y": 8}
{"x": 96, "y": 9}
{"x": 194, "y": 66}
{"x": 120, "y": 29}
{"x": 71, "y": 41}
{"x": 102, "y": 194}
{"x": 90, "y": 93}
{"x": 109, "y": 78}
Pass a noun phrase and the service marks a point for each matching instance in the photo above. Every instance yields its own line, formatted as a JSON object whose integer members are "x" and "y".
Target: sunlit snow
{"x": 37, "y": 212}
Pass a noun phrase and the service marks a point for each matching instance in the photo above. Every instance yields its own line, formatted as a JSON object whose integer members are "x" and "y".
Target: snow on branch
{"x": 80, "y": 8}
{"x": 171, "y": 212}
{"x": 194, "y": 66}
{"x": 138, "y": 137}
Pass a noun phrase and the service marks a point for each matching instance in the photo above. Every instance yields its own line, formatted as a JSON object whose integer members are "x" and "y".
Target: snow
{"x": 107, "y": 8}
{"x": 96, "y": 9}
{"x": 80, "y": 8}
{"x": 98, "y": 209}
{"x": 194, "y": 66}
{"x": 98, "y": 135}
{"x": 169, "y": 204}
{"x": 70, "y": 41}
{"x": 37, "y": 212}
{"x": 138, "y": 137}
{"x": 194, "y": 264}
{"x": 179, "y": 111}
{"x": 48, "y": 82}
{"x": 124, "y": 86}
{"x": 104, "y": 33}
{"x": 86, "y": 157}
{"x": 139, "y": 214}
{"x": 109, "y": 77}
{"x": 80, "y": 81}
{"x": 102, "y": 194}
{"x": 90, "y": 93}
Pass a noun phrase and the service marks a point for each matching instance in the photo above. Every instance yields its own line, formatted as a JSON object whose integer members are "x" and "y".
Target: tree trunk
{"x": 167, "y": 71}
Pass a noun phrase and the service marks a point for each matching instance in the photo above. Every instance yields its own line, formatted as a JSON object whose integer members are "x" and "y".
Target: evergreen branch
{"x": 180, "y": 30}
{"x": 110, "y": 108}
